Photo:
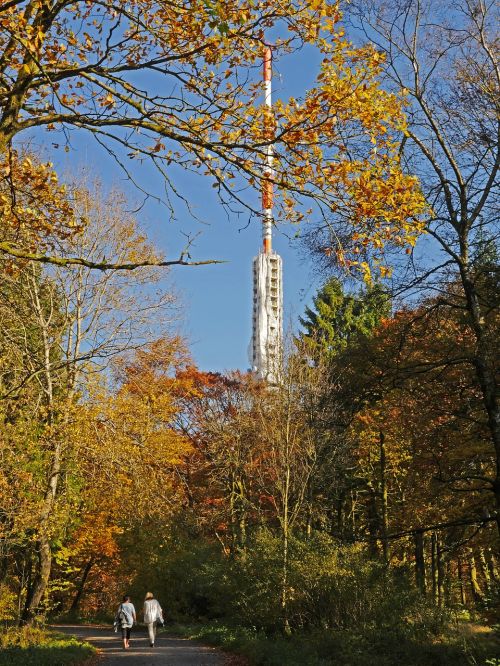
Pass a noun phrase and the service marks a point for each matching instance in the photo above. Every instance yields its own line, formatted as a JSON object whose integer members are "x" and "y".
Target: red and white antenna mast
{"x": 267, "y": 322}
{"x": 267, "y": 183}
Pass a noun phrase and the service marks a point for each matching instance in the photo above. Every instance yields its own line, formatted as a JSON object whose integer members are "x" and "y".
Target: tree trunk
{"x": 242, "y": 515}
{"x": 383, "y": 499}
{"x": 485, "y": 372}
{"x": 26, "y": 581}
{"x": 352, "y": 514}
{"x": 284, "y": 574}
{"x": 440, "y": 574}
{"x": 460, "y": 577}
{"x": 42, "y": 578}
{"x": 420, "y": 562}
{"x": 81, "y": 586}
{"x": 373, "y": 524}
{"x": 233, "y": 519}
{"x": 477, "y": 593}
{"x": 340, "y": 515}
{"x": 43, "y": 544}
{"x": 44, "y": 548}
{"x": 492, "y": 566}
{"x": 434, "y": 568}
{"x": 447, "y": 583}
{"x": 309, "y": 517}
{"x": 483, "y": 565}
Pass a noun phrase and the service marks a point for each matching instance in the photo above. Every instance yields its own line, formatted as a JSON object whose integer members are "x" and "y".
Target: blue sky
{"x": 216, "y": 300}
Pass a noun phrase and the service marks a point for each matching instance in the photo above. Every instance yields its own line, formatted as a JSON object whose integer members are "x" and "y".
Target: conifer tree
{"x": 336, "y": 317}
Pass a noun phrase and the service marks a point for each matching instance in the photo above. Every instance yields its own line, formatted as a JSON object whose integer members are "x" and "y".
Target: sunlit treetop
{"x": 180, "y": 83}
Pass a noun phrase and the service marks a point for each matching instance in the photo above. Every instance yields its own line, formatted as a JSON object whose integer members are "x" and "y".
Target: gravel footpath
{"x": 168, "y": 651}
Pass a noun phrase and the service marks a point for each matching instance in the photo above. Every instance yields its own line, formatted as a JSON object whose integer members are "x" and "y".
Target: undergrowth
{"x": 339, "y": 648}
{"x": 41, "y": 647}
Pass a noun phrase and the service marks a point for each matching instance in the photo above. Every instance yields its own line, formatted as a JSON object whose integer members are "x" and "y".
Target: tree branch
{"x": 8, "y": 249}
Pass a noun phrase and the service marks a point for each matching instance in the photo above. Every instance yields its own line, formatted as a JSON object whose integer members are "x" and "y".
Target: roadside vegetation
{"x": 323, "y": 648}
{"x": 42, "y": 647}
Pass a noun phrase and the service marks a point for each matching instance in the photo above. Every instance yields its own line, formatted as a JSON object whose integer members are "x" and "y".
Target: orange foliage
{"x": 76, "y": 65}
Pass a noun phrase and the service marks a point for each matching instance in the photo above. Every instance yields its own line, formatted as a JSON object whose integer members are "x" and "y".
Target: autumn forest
{"x": 347, "y": 514}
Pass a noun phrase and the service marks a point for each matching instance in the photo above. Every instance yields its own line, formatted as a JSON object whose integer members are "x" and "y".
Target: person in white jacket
{"x": 153, "y": 614}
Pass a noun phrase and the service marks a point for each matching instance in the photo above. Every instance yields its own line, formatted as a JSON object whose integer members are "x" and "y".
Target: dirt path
{"x": 168, "y": 651}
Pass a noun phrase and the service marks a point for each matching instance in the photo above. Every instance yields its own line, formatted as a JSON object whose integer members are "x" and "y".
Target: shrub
{"x": 329, "y": 586}
{"x": 39, "y": 647}
{"x": 8, "y": 604}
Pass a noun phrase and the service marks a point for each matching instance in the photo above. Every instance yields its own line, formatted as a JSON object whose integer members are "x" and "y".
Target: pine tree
{"x": 336, "y": 317}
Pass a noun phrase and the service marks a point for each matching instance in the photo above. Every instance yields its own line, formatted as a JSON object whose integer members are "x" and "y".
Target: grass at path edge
{"x": 43, "y": 647}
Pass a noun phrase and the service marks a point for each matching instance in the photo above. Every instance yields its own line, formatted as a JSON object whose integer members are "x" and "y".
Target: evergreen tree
{"x": 337, "y": 318}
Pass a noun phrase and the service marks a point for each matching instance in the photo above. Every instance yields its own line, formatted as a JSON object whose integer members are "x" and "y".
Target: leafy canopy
{"x": 180, "y": 85}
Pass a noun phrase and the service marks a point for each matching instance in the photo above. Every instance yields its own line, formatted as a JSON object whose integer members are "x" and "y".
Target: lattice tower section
{"x": 267, "y": 319}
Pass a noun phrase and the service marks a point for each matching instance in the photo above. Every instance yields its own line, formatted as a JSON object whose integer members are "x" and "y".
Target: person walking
{"x": 124, "y": 619}
{"x": 153, "y": 615}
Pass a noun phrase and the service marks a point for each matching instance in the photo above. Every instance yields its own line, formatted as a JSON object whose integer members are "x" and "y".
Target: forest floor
{"x": 168, "y": 650}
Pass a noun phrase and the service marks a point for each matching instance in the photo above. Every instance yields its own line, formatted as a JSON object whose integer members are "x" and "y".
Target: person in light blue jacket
{"x": 124, "y": 619}
{"x": 153, "y": 615}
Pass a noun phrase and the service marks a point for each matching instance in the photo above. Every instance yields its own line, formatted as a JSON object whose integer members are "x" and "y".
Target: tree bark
{"x": 340, "y": 515}
{"x": 43, "y": 544}
{"x": 373, "y": 523}
{"x": 463, "y": 599}
{"x": 483, "y": 565}
{"x": 440, "y": 574}
{"x": 485, "y": 372}
{"x": 420, "y": 562}
{"x": 477, "y": 593}
{"x": 383, "y": 498}
{"x": 284, "y": 573}
{"x": 81, "y": 586}
{"x": 492, "y": 566}
{"x": 434, "y": 568}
